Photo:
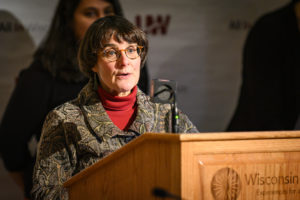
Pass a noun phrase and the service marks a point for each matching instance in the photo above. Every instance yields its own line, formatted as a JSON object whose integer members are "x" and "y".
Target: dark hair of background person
{"x": 58, "y": 52}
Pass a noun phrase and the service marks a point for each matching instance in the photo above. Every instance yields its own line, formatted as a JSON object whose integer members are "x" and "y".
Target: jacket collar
{"x": 99, "y": 122}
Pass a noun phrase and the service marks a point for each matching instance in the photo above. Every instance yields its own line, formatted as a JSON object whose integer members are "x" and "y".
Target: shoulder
{"x": 163, "y": 113}
{"x": 61, "y": 119}
{"x": 66, "y": 111}
{"x": 35, "y": 76}
{"x": 32, "y": 86}
{"x": 35, "y": 68}
{"x": 145, "y": 101}
{"x": 276, "y": 19}
{"x": 159, "y": 109}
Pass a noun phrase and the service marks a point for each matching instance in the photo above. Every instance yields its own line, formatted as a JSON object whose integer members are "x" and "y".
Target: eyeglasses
{"x": 113, "y": 54}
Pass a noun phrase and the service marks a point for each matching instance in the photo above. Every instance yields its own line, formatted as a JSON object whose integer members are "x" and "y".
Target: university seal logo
{"x": 226, "y": 184}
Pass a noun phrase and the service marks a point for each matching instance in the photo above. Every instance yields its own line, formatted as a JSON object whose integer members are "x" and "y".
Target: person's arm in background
{"x": 18, "y": 178}
{"x": 22, "y": 119}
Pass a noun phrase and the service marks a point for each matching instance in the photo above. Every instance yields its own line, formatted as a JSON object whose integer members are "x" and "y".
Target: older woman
{"x": 52, "y": 79}
{"x": 108, "y": 112}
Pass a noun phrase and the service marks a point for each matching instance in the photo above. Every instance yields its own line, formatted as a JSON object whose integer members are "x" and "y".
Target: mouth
{"x": 123, "y": 75}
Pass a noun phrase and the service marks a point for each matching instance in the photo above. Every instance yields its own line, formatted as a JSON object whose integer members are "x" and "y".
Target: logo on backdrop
{"x": 7, "y": 26}
{"x": 239, "y": 24}
{"x": 226, "y": 184}
{"x": 153, "y": 24}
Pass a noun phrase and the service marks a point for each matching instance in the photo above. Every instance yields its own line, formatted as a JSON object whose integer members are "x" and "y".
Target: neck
{"x": 111, "y": 102}
{"x": 121, "y": 110}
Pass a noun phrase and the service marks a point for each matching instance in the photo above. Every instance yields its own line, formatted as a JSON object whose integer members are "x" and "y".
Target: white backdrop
{"x": 198, "y": 43}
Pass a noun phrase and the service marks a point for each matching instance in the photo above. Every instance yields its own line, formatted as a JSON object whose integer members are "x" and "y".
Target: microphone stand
{"x": 167, "y": 88}
{"x": 174, "y": 114}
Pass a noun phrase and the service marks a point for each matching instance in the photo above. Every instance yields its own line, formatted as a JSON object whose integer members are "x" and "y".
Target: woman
{"x": 52, "y": 79}
{"x": 108, "y": 112}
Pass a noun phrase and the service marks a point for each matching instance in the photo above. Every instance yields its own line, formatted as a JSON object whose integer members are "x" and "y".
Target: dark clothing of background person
{"x": 270, "y": 93}
{"x": 36, "y": 93}
{"x": 52, "y": 79}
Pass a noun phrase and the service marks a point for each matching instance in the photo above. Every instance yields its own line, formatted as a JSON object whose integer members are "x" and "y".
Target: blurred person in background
{"x": 270, "y": 93}
{"x": 52, "y": 79}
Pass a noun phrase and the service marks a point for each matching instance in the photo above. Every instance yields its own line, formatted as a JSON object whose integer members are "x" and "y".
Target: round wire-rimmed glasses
{"x": 113, "y": 54}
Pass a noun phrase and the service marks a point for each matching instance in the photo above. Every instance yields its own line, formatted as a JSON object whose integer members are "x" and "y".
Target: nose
{"x": 123, "y": 59}
{"x": 101, "y": 14}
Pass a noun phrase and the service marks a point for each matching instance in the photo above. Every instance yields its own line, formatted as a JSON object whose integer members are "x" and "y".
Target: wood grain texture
{"x": 252, "y": 165}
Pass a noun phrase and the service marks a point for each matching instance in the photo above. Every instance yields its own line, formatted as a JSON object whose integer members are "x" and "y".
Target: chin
{"x": 126, "y": 86}
{"x": 125, "y": 89}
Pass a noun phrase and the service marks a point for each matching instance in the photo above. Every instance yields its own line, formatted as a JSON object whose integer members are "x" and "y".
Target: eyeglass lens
{"x": 114, "y": 54}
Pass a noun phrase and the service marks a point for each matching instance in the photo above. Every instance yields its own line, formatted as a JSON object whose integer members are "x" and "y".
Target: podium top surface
{"x": 239, "y": 135}
{"x": 219, "y": 136}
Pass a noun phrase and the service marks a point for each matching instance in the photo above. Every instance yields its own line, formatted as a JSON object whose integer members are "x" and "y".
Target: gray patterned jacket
{"x": 78, "y": 133}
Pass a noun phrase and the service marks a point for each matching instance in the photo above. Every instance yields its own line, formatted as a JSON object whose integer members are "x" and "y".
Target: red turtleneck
{"x": 121, "y": 110}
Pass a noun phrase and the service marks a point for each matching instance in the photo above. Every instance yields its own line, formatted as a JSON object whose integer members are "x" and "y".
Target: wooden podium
{"x": 210, "y": 166}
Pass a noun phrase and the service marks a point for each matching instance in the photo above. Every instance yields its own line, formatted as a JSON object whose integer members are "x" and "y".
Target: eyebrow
{"x": 113, "y": 45}
{"x": 109, "y": 7}
{"x": 109, "y": 45}
{"x": 90, "y": 9}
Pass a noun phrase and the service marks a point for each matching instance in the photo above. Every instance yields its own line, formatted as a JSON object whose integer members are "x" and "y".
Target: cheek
{"x": 137, "y": 65}
{"x": 106, "y": 71}
{"x": 87, "y": 22}
{"x": 81, "y": 25}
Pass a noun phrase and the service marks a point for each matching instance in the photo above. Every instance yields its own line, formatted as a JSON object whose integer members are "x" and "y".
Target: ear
{"x": 95, "y": 69}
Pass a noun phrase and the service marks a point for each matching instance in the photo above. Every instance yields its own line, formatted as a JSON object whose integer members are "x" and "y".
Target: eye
{"x": 91, "y": 13}
{"x": 110, "y": 52}
{"x": 108, "y": 11}
{"x": 131, "y": 50}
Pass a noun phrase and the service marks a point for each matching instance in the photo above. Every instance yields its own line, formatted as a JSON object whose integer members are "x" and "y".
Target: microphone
{"x": 164, "y": 91}
{"x": 162, "y": 193}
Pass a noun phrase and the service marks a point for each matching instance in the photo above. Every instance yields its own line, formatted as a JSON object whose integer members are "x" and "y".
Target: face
{"x": 121, "y": 76}
{"x": 87, "y": 12}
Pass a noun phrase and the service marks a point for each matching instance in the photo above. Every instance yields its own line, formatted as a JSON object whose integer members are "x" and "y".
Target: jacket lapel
{"x": 144, "y": 120}
{"x": 99, "y": 122}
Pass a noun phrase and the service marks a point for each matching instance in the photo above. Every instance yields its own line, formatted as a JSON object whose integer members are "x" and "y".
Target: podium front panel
{"x": 250, "y": 176}
{"x": 254, "y": 169}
